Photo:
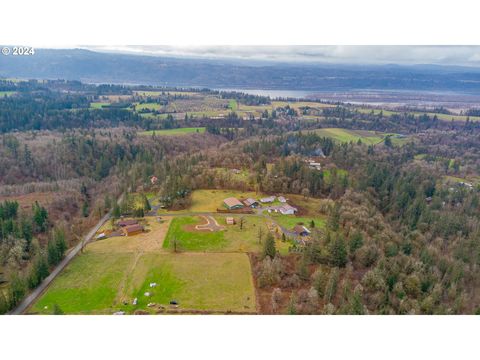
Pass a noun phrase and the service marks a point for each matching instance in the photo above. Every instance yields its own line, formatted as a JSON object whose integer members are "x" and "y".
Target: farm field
{"x": 112, "y": 272}
{"x": 98, "y": 105}
{"x": 197, "y": 281}
{"x": 367, "y": 137}
{"x": 445, "y": 117}
{"x": 173, "y": 132}
{"x": 344, "y": 135}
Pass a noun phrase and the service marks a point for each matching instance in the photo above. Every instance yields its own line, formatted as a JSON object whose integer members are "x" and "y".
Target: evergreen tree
{"x": 16, "y": 291}
{"x": 59, "y": 238}
{"x": 116, "y": 211}
{"x": 303, "y": 267}
{"x": 356, "y": 242}
{"x": 146, "y": 204}
{"x": 333, "y": 222}
{"x": 269, "y": 246}
{"x": 52, "y": 253}
{"x": 338, "y": 252}
{"x": 85, "y": 210}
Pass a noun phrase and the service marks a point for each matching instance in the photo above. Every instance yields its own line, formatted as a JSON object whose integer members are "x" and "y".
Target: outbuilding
{"x": 269, "y": 199}
{"x": 129, "y": 222}
{"x": 232, "y": 203}
{"x": 287, "y": 209}
{"x": 251, "y": 203}
{"x": 133, "y": 229}
{"x": 301, "y": 230}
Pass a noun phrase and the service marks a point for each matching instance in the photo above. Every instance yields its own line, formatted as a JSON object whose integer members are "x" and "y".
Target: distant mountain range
{"x": 99, "y": 67}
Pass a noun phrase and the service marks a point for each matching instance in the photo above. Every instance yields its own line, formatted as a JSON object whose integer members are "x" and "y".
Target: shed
{"x": 269, "y": 199}
{"x": 230, "y": 220}
{"x": 282, "y": 199}
{"x": 128, "y": 222}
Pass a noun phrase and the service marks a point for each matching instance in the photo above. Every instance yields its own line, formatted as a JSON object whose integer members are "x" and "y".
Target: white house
{"x": 287, "y": 209}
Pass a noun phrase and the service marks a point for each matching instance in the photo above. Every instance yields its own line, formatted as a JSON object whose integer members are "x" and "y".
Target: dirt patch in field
{"x": 150, "y": 240}
{"x": 209, "y": 224}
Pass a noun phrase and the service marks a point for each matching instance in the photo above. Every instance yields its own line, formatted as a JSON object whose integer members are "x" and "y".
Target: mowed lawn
{"x": 233, "y": 238}
{"x": 182, "y": 230}
{"x": 173, "y": 132}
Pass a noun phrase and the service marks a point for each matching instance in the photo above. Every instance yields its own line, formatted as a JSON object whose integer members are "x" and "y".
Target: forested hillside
{"x": 399, "y": 192}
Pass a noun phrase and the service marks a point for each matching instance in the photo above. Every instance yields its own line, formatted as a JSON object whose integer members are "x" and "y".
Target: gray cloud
{"x": 355, "y": 54}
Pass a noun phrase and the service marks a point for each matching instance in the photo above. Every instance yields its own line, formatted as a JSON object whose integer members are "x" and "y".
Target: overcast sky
{"x": 444, "y": 55}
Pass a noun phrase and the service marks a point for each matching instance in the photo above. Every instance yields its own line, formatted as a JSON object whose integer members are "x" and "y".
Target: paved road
{"x": 28, "y": 301}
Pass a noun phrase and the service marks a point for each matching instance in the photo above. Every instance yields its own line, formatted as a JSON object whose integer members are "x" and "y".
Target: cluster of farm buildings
{"x": 233, "y": 203}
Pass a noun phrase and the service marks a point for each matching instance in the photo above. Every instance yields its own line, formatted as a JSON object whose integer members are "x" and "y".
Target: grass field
{"x": 173, "y": 132}
{"x": 231, "y": 239}
{"x": 191, "y": 240}
{"x": 88, "y": 285}
{"x": 112, "y": 272}
{"x": 219, "y": 282}
{"x": 211, "y": 200}
{"x": 344, "y": 135}
{"x": 98, "y": 105}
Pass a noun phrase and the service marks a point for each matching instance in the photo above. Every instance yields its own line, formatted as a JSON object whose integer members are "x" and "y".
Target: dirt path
{"x": 121, "y": 290}
{"x": 211, "y": 225}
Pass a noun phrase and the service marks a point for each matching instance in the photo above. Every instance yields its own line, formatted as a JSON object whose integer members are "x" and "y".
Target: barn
{"x": 232, "y": 203}
{"x": 133, "y": 230}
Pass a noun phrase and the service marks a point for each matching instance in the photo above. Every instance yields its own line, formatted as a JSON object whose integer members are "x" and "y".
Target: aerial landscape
{"x": 135, "y": 184}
